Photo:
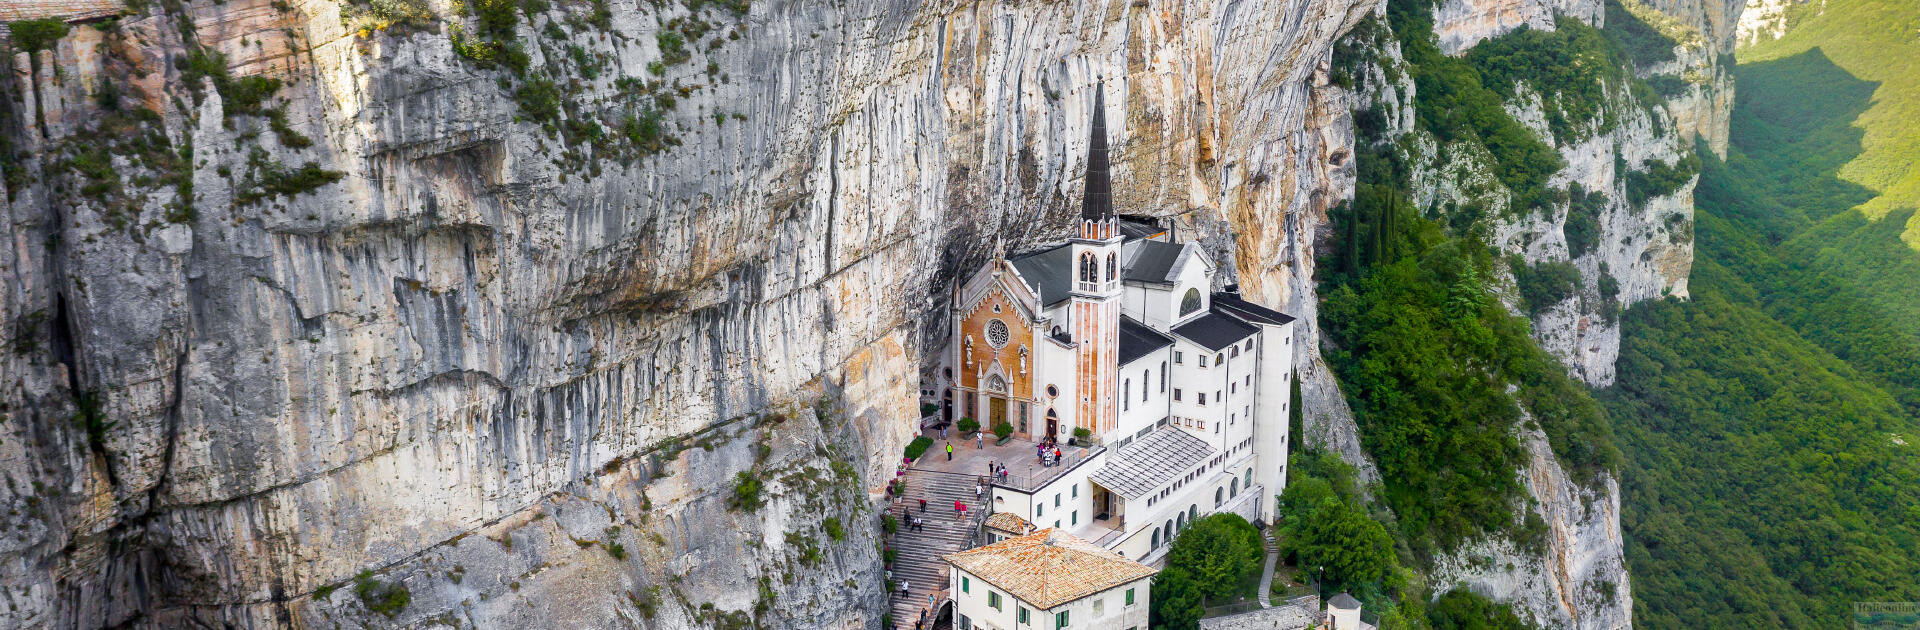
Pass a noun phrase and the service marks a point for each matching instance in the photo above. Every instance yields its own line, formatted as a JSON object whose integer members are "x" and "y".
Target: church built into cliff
{"x": 1183, "y": 389}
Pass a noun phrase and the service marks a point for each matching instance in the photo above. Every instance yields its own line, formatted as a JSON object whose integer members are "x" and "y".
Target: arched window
{"x": 1180, "y": 522}
{"x": 1250, "y": 477}
{"x": 1190, "y": 302}
{"x": 1088, "y": 267}
{"x": 1219, "y": 494}
{"x": 1113, "y": 267}
{"x": 1235, "y": 488}
{"x": 1155, "y": 540}
{"x": 1169, "y": 529}
{"x": 1193, "y": 512}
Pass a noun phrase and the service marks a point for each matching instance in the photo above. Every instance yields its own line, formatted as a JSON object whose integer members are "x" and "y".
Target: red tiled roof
{"x": 1049, "y": 567}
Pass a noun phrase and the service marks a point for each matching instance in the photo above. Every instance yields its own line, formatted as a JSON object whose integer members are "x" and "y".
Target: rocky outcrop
{"x": 1764, "y": 20}
{"x": 421, "y": 336}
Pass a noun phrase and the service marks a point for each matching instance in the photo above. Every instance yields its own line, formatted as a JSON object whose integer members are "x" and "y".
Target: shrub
{"x": 834, "y": 530}
{"x": 539, "y": 100}
{"x": 918, "y": 447}
{"x": 1083, "y": 434}
{"x": 1582, "y": 229}
{"x": 928, "y": 409}
{"x": 35, "y": 35}
{"x": 889, "y": 524}
{"x": 1002, "y": 430}
{"x": 385, "y": 599}
{"x": 673, "y": 48}
{"x": 968, "y": 425}
{"x": 746, "y": 492}
{"x": 1546, "y": 284}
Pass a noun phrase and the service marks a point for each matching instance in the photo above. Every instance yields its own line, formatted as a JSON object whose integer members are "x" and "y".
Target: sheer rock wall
{"x": 498, "y": 348}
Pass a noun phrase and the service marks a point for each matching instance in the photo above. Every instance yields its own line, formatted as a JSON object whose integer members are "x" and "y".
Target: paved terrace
{"x": 1024, "y": 471}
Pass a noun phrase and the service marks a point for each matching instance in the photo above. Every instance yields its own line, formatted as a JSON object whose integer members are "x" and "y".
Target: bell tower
{"x": 1096, "y": 286}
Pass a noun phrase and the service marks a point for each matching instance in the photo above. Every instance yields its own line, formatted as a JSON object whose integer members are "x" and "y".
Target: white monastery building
{"x": 1119, "y": 330}
{"x": 1047, "y": 580}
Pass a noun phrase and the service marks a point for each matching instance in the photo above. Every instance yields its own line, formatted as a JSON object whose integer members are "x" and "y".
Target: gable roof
{"x": 1215, "y": 330}
{"x": 1151, "y": 461}
{"x": 1049, "y": 567}
{"x": 1238, "y": 306}
{"x": 1048, "y": 271}
{"x": 1139, "y": 340}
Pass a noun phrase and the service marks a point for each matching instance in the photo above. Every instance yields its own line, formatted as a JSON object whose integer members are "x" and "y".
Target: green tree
{"x": 1339, "y": 539}
{"x": 1221, "y": 551}
{"x": 1177, "y": 601}
{"x": 1466, "y": 610}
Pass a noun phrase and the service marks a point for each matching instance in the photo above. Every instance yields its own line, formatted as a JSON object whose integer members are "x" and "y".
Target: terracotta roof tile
{"x": 1049, "y": 567}
{"x": 1008, "y": 522}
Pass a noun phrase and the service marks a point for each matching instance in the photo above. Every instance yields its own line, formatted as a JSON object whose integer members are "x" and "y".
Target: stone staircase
{"x": 918, "y": 562}
{"x": 1266, "y": 575}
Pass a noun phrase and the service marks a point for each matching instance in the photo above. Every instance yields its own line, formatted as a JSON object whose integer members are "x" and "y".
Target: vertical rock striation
{"x": 503, "y": 344}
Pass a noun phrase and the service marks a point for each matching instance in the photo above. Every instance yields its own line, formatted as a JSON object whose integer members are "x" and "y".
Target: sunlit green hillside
{"x": 1877, "y": 41}
{"x": 1771, "y": 425}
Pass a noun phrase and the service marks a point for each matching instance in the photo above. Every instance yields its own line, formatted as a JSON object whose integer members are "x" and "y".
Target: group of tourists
{"x": 1048, "y": 452}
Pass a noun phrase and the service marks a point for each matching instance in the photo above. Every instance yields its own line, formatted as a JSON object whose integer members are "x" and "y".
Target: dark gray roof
{"x": 1137, "y": 340}
{"x": 1151, "y": 261}
{"x": 1150, "y": 462}
{"x": 1215, "y": 330}
{"x": 1049, "y": 270}
{"x": 1343, "y": 601}
{"x": 1238, "y": 306}
{"x": 1135, "y": 227}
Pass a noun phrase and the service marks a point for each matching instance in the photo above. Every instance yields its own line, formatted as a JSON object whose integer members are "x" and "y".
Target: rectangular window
{"x": 1232, "y": 417}
{"x": 1163, "y": 377}
{"x": 1060, "y": 620}
{"x": 993, "y": 600}
{"x": 1217, "y": 396}
{"x": 1099, "y": 608}
{"x": 1039, "y": 508}
{"x": 966, "y": 623}
{"x": 1056, "y": 499}
{"x": 1176, "y": 394}
{"x": 1203, "y": 360}
{"x": 966, "y": 585}
{"x": 1233, "y": 388}
{"x": 1073, "y": 518}
{"x": 1022, "y": 615}
{"x": 1129, "y": 597}
{"x": 1076, "y": 491}
{"x": 1203, "y": 399}
{"x": 1146, "y": 376}
{"x": 1179, "y": 358}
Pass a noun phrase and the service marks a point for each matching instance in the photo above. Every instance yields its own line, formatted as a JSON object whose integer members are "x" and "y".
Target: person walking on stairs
{"x": 949, "y": 451}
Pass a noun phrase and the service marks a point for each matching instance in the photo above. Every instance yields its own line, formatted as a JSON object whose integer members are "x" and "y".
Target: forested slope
{"x": 1769, "y": 424}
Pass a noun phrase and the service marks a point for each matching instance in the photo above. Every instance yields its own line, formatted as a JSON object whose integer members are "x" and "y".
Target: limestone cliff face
{"x": 1764, "y": 20}
{"x": 509, "y": 334}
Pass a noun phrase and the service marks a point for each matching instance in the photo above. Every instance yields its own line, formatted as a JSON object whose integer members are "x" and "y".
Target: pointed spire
{"x": 1097, "y": 202}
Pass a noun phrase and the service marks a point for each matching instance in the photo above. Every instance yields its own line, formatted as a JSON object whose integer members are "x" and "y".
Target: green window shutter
{"x": 1129, "y": 597}
{"x": 1022, "y": 614}
{"x": 966, "y": 585}
{"x": 1060, "y": 620}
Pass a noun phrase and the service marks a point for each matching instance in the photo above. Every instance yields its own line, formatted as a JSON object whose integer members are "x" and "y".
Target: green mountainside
{"x": 1770, "y": 424}
{"x": 1764, "y": 432}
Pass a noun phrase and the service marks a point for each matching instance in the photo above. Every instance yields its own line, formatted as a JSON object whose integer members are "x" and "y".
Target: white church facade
{"x": 1184, "y": 389}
